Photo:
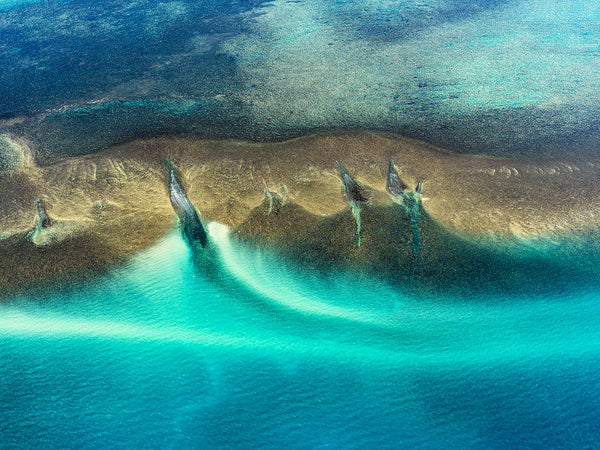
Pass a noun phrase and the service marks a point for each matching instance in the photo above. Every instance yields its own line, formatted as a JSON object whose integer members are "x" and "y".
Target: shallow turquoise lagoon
{"x": 243, "y": 349}
{"x": 257, "y": 352}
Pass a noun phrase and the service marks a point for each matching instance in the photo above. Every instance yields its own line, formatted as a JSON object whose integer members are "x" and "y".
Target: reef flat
{"x": 106, "y": 206}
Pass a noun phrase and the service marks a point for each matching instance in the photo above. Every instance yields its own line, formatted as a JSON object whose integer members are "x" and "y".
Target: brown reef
{"x": 108, "y": 205}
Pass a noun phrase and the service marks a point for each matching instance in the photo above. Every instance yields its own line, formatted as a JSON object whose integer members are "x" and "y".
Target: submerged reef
{"x": 467, "y": 220}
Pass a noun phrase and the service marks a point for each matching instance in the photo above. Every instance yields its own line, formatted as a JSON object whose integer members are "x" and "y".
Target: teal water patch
{"x": 505, "y": 78}
{"x": 164, "y": 351}
{"x": 7, "y": 4}
{"x": 456, "y": 68}
{"x": 495, "y": 62}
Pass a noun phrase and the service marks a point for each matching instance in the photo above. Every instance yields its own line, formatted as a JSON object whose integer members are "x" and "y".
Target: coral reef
{"x": 101, "y": 208}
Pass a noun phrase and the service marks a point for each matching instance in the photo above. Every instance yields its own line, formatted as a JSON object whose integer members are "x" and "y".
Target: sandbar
{"x": 108, "y": 205}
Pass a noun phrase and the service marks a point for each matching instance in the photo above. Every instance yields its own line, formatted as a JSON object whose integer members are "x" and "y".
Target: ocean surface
{"x": 159, "y": 354}
{"x": 162, "y": 353}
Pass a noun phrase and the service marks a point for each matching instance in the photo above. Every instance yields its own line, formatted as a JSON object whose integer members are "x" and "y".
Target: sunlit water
{"x": 241, "y": 349}
{"x": 260, "y": 352}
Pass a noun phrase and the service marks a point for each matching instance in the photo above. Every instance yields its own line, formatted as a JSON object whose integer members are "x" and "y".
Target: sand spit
{"x": 108, "y": 205}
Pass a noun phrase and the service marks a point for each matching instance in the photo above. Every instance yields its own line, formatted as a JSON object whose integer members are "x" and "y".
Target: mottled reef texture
{"x": 108, "y": 205}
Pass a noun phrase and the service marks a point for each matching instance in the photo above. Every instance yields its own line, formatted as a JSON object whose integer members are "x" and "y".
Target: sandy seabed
{"x": 108, "y": 205}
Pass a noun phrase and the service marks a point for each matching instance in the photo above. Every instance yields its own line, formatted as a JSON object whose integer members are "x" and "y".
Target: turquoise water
{"x": 498, "y": 77}
{"x": 169, "y": 352}
{"x": 239, "y": 348}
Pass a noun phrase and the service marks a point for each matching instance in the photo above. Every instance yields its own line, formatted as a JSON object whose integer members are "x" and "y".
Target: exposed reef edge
{"x": 111, "y": 204}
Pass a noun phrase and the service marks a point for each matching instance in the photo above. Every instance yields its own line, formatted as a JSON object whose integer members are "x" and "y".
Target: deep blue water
{"x": 497, "y": 77}
{"x": 161, "y": 353}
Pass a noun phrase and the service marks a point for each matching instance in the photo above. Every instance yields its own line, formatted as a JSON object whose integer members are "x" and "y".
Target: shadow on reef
{"x": 400, "y": 242}
{"x": 444, "y": 261}
{"x": 397, "y": 241}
